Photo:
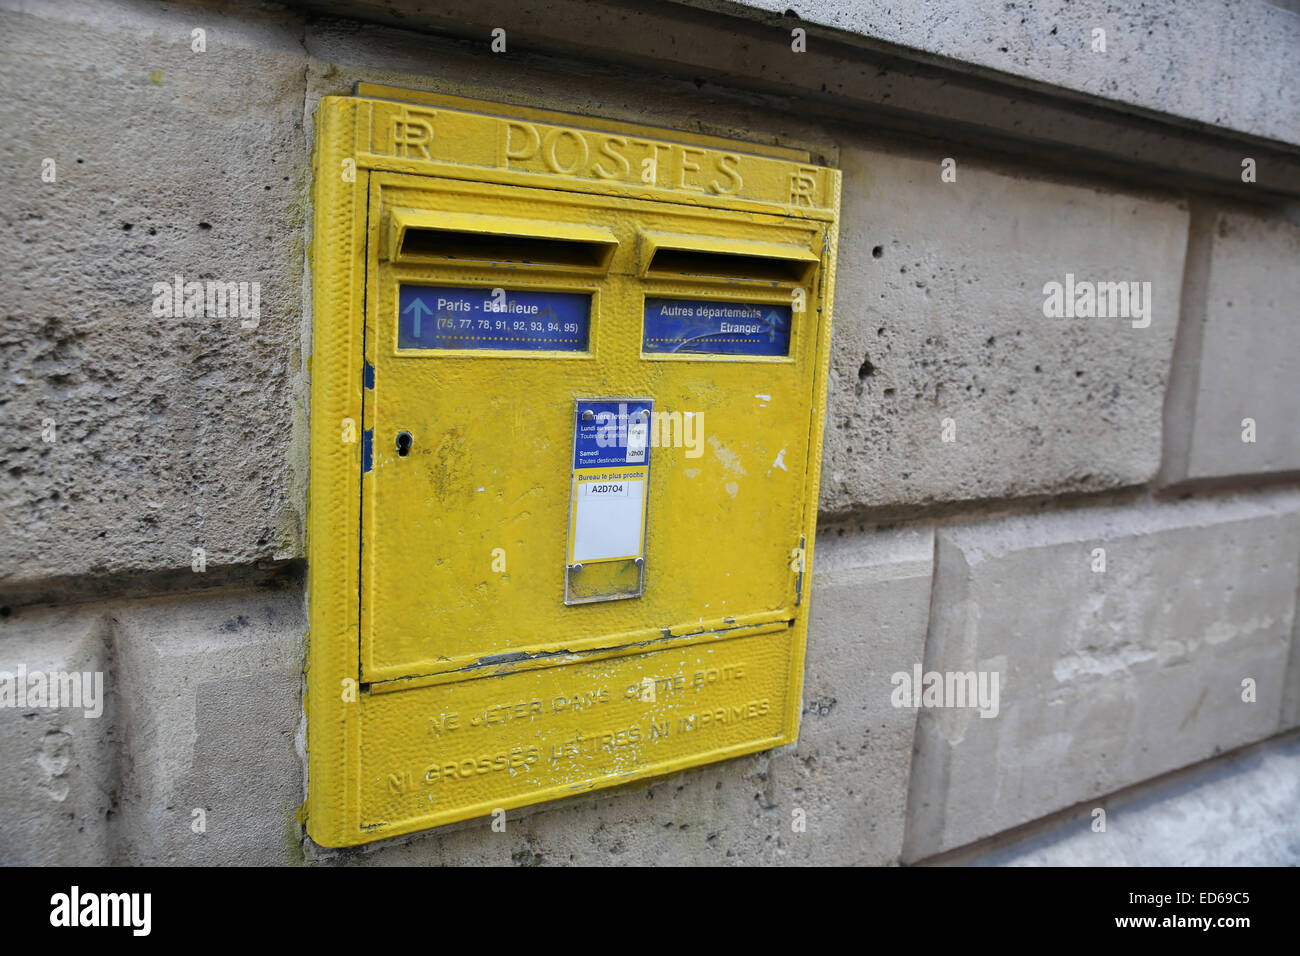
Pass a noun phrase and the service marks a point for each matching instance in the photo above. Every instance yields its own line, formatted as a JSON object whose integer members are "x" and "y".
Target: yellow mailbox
{"x": 567, "y": 394}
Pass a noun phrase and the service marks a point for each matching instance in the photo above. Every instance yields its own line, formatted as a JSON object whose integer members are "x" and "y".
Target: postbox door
{"x": 467, "y": 470}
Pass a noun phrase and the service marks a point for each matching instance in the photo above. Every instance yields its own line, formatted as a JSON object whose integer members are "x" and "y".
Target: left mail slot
{"x": 445, "y": 317}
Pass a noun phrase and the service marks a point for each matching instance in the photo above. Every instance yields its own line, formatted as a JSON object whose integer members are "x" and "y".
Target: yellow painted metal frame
{"x": 380, "y": 131}
{"x": 653, "y": 242}
{"x": 404, "y": 219}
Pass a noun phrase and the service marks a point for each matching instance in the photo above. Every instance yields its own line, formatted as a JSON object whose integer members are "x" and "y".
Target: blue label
{"x": 434, "y": 317}
{"x": 602, "y": 433}
{"x": 693, "y": 326}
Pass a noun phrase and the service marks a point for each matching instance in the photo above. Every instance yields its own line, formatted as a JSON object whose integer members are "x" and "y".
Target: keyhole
{"x": 404, "y": 443}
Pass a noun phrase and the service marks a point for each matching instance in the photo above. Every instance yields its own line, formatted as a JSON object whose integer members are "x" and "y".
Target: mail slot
{"x": 568, "y": 385}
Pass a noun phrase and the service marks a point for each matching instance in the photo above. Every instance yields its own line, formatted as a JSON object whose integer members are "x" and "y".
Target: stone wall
{"x": 1102, "y": 511}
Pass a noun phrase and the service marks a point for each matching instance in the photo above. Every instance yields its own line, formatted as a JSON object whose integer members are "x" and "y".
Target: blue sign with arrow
{"x": 696, "y": 326}
{"x": 438, "y": 317}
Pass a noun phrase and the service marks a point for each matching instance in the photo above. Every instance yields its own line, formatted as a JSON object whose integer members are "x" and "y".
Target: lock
{"x": 618, "y": 389}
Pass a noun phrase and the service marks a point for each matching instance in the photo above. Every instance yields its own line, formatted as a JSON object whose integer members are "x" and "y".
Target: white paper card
{"x": 607, "y": 521}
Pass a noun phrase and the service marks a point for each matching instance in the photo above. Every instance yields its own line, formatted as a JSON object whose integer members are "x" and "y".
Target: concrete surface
{"x": 171, "y": 434}
{"x": 211, "y": 702}
{"x": 1240, "y": 809}
{"x": 939, "y": 315}
{"x": 203, "y": 705}
{"x": 1106, "y": 678}
{"x": 1214, "y": 62}
{"x": 344, "y": 52}
{"x": 744, "y": 54}
{"x": 1290, "y": 716}
{"x": 1249, "y": 356}
{"x": 59, "y": 790}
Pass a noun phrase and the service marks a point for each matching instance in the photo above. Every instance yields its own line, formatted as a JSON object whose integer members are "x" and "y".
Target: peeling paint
{"x": 729, "y": 459}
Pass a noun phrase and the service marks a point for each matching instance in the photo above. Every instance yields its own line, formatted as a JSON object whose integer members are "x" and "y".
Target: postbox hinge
{"x": 797, "y": 566}
{"x": 367, "y": 450}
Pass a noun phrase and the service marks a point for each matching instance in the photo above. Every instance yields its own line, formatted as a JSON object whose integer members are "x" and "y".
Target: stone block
{"x": 211, "y": 708}
{"x": 58, "y": 748}
{"x": 168, "y": 433}
{"x": 1107, "y": 677}
{"x": 947, "y": 381}
{"x": 1237, "y": 373}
